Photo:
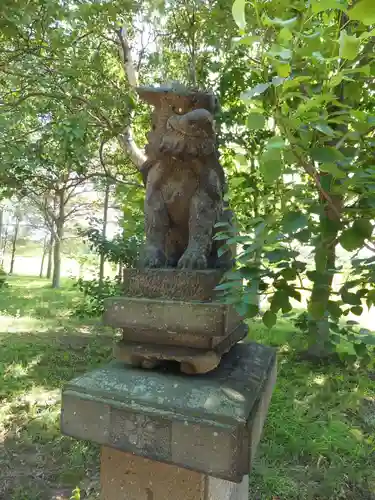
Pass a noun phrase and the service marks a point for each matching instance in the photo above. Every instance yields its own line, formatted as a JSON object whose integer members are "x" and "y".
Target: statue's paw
{"x": 192, "y": 260}
{"x": 154, "y": 258}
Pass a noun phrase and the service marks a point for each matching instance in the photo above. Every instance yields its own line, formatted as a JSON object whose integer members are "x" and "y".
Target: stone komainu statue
{"x": 184, "y": 181}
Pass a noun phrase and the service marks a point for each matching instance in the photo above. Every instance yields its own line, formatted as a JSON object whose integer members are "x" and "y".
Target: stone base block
{"x": 128, "y": 477}
{"x": 173, "y": 284}
{"x": 192, "y": 360}
{"x": 208, "y": 423}
{"x": 211, "y": 319}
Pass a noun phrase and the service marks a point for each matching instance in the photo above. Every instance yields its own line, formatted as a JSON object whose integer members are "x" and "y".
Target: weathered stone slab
{"x": 193, "y": 359}
{"x": 128, "y": 477}
{"x": 172, "y": 284}
{"x": 209, "y": 423}
{"x": 198, "y": 318}
{"x": 167, "y": 338}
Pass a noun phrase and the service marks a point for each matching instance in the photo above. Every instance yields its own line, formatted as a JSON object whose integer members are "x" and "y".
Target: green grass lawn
{"x": 319, "y": 441}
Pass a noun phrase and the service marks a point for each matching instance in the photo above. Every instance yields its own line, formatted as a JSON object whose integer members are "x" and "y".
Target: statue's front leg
{"x": 203, "y": 216}
{"x": 156, "y": 226}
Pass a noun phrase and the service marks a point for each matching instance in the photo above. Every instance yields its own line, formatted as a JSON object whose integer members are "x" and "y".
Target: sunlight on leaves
{"x": 363, "y": 11}
{"x": 238, "y": 12}
{"x": 349, "y": 46}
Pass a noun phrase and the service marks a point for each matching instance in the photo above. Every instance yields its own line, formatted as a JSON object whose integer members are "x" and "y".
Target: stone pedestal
{"x": 169, "y": 314}
{"x": 128, "y": 477}
{"x": 173, "y": 432}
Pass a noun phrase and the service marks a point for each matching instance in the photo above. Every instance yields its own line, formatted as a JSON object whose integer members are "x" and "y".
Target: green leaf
{"x": 334, "y": 309}
{"x": 353, "y": 238}
{"x": 279, "y": 22}
{"x": 293, "y": 221}
{"x": 282, "y": 52}
{"x": 324, "y": 128}
{"x": 252, "y": 310}
{"x": 271, "y": 165}
{"x": 256, "y": 121}
{"x": 283, "y": 69}
{"x": 289, "y": 157}
{"x": 365, "y": 70}
{"x": 349, "y": 46}
{"x": 238, "y": 12}
{"x": 271, "y": 170}
{"x": 228, "y": 285}
{"x": 326, "y": 154}
{"x": 233, "y": 276}
{"x": 285, "y": 35}
{"x": 255, "y": 91}
{"x": 275, "y": 142}
{"x": 350, "y": 298}
{"x": 336, "y": 80}
{"x": 287, "y": 308}
{"x": 363, "y": 227}
{"x": 357, "y": 310}
{"x": 245, "y": 40}
{"x": 234, "y": 182}
{"x": 295, "y": 294}
{"x": 368, "y": 339}
{"x": 350, "y": 239}
{"x": 241, "y": 308}
{"x": 345, "y": 346}
{"x": 333, "y": 169}
{"x": 318, "y": 6}
{"x": 303, "y": 236}
{"x": 269, "y": 319}
{"x": 280, "y": 300}
{"x": 295, "y": 82}
{"x": 363, "y": 11}
{"x": 289, "y": 273}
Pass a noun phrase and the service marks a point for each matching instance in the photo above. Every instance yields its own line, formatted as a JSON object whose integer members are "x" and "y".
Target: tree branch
{"x": 125, "y": 139}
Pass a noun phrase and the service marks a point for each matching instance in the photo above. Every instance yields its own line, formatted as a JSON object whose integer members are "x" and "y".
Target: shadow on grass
{"x": 34, "y": 297}
{"x": 35, "y": 460}
{"x": 319, "y": 439}
{"x": 41, "y": 349}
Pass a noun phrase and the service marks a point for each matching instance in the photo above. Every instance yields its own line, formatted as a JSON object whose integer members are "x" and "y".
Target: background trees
{"x": 296, "y": 131}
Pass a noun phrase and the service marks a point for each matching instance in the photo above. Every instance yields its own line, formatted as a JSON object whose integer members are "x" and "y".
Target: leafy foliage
{"x": 94, "y": 294}
{"x": 296, "y": 131}
{"x": 311, "y": 69}
{"x": 318, "y": 415}
{"x": 3, "y": 278}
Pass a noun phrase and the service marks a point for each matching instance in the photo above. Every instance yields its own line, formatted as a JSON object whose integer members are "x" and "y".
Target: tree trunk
{"x": 45, "y": 247}
{"x": 1, "y": 228}
{"x": 5, "y": 242}
{"x": 325, "y": 260}
{"x": 325, "y": 249}
{"x": 120, "y": 271}
{"x": 56, "y": 276}
{"x": 104, "y": 233}
{"x": 50, "y": 251}
{"x": 14, "y": 245}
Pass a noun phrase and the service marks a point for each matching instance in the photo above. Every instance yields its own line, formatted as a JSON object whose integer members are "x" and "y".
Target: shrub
{"x": 3, "y": 278}
{"x": 94, "y": 295}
